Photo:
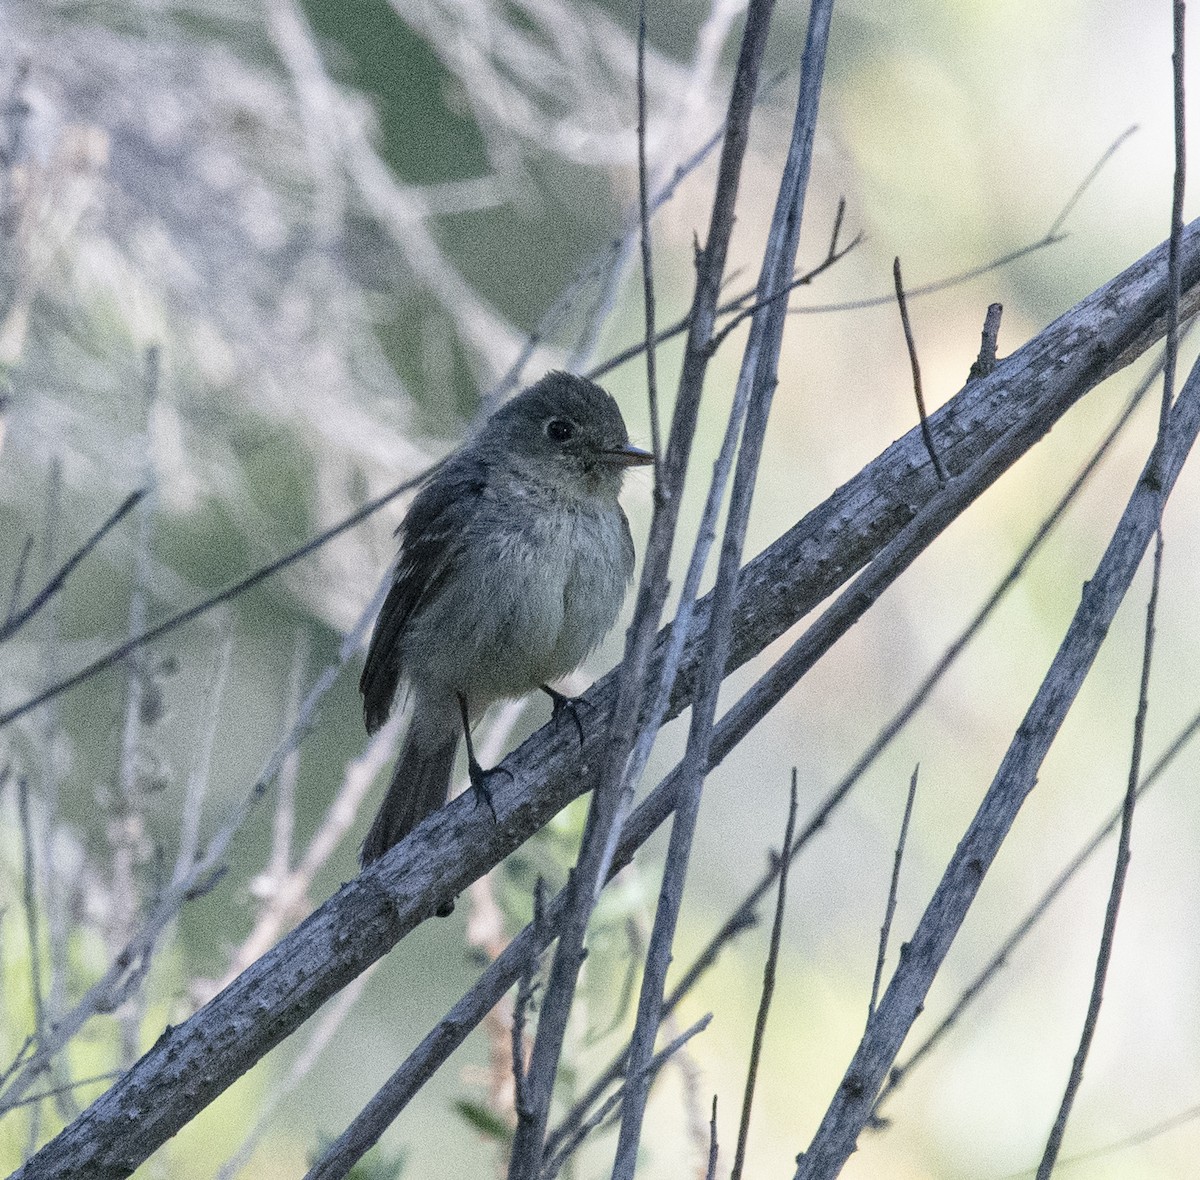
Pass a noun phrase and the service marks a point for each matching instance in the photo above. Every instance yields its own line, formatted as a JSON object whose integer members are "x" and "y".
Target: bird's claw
{"x": 561, "y": 703}
{"x": 479, "y": 783}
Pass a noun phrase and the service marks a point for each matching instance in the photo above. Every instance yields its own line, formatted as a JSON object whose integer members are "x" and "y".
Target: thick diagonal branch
{"x": 192, "y": 1064}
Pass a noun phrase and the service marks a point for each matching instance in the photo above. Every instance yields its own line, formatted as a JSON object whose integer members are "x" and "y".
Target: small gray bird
{"x": 514, "y": 561}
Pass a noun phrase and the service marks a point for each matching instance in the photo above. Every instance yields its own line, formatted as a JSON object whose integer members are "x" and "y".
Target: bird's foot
{"x": 479, "y": 777}
{"x": 561, "y": 703}
{"x": 479, "y": 783}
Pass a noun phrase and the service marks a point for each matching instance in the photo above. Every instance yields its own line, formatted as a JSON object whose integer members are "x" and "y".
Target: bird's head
{"x": 565, "y": 432}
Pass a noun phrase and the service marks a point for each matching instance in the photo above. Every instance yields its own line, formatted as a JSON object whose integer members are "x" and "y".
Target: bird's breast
{"x": 548, "y": 590}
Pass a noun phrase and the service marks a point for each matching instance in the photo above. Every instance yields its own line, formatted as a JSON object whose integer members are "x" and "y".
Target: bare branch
{"x": 996, "y": 963}
{"x": 768, "y": 990}
{"x": 742, "y": 309}
{"x": 985, "y": 362}
{"x": 1108, "y": 935}
{"x": 1144, "y": 1136}
{"x": 1053, "y": 236}
{"x": 68, "y": 1087}
{"x": 1085, "y": 184}
{"x": 958, "y": 279}
{"x": 755, "y": 389}
{"x": 743, "y": 916}
{"x": 1120, "y": 872}
{"x": 192, "y": 612}
{"x": 18, "y": 582}
{"x": 647, "y": 262}
{"x": 613, "y": 788}
{"x": 916, "y": 372}
{"x": 609, "y": 1107}
{"x": 713, "y": 1147}
{"x": 904, "y": 998}
{"x": 893, "y": 891}
{"x": 1031, "y": 388}
{"x": 29, "y": 901}
{"x": 18, "y": 618}
{"x": 681, "y": 629}
{"x": 1174, "y": 279}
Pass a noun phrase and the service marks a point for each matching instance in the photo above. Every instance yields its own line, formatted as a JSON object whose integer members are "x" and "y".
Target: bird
{"x": 515, "y": 557}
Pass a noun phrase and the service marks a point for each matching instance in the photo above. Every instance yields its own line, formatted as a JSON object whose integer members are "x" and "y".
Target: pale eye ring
{"x": 560, "y": 430}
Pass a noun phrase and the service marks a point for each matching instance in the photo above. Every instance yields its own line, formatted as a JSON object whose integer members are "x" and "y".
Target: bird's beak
{"x": 627, "y": 456}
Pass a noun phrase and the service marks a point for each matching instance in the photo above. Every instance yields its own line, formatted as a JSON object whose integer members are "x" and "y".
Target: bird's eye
{"x": 559, "y": 429}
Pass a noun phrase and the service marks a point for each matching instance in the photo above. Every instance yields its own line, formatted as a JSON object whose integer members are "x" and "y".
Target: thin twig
{"x": 525, "y": 988}
{"x": 1042, "y": 379}
{"x": 916, "y": 372}
{"x": 756, "y": 386}
{"x": 199, "y": 775}
{"x": 742, "y": 310}
{"x": 768, "y": 990}
{"x": 893, "y": 891}
{"x": 653, "y": 1067}
{"x": 18, "y": 618}
{"x": 1108, "y": 935}
{"x": 176, "y": 621}
{"x": 1085, "y": 184}
{"x": 1053, "y": 237}
{"x": 18, "y": 583}
{"x": 1120, "y": 872}
{"x": 29, "y": 900}
{"x": 67, "y": 1087}
{"x": 610, "y": 791}
{"x": 739, "y": 307}
{"x": 958, "y": 279}
{"x": 706, "y": 533}
{"x": 1174, "y": 279}
{"x": 1015, "y": 779}
{"x": 743, "y": 919}
{"x": 1027, "y": 924}
{"x": 713, "y": 1147}
{"x": 22, "y": 1054}
{"x": 1144, "y": 1136}
{"x": 647, "y": 263}
{"x": 985, "y": 362}
{"x": 128, "y": 966}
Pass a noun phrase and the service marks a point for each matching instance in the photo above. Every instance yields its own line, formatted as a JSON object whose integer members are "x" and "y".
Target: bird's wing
{"x": 431, "y": 540}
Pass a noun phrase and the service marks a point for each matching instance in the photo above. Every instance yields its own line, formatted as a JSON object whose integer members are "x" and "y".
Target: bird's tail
{"x": 420, "y": 781}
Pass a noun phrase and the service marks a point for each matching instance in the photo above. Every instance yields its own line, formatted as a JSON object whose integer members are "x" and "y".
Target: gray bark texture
{"x": 193, "y": 1063}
